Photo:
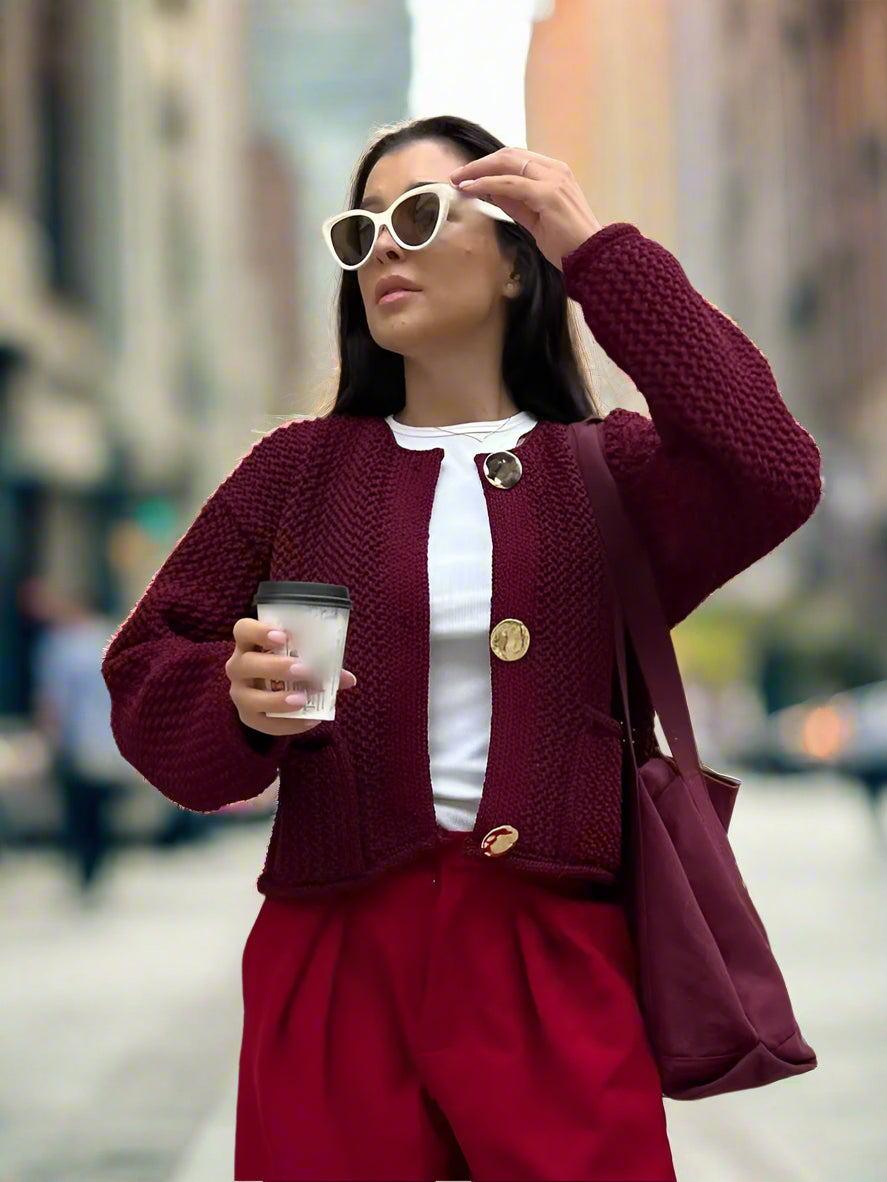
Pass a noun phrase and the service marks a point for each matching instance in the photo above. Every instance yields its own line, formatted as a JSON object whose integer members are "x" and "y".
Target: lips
{"x": 392, "y": 283}
{"x": 394, "y": 297}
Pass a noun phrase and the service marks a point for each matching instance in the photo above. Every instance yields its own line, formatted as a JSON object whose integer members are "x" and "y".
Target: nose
{"x": 386, "y": 247}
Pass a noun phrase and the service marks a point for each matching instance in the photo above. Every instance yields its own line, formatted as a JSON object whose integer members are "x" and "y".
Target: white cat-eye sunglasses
{"x": 413, "y": 220}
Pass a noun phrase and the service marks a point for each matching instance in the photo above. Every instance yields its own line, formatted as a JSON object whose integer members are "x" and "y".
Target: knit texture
{"x": 717, "y": 477}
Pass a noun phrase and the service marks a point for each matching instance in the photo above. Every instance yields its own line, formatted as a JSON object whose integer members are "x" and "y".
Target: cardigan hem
{"x": 603, "y": 883}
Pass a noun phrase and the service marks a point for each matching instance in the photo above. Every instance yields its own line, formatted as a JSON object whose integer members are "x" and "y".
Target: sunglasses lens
{"x": 352, "y": 238}
{"x": 415, "y": 218}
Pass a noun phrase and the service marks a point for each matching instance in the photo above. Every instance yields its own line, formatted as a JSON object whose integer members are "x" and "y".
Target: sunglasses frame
{"x": 447, "y": 194}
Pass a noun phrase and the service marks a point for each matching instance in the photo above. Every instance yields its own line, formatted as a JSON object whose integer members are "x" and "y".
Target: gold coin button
{"x": 503, "y": 469}
{"x": 510, "y": 639}
{"x": 499, "y": 841}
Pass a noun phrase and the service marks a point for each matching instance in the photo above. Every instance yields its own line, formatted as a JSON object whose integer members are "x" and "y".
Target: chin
{"x": 399, "y": 337}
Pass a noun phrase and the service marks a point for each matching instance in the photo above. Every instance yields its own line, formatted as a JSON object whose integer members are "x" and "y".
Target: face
{"x": 462, "y": 274}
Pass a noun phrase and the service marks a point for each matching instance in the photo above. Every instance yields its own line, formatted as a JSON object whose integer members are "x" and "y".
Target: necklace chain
{"x": 480, "y": 438}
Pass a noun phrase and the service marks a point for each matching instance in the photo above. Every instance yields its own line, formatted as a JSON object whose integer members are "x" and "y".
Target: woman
{"x": 440, "y": 982}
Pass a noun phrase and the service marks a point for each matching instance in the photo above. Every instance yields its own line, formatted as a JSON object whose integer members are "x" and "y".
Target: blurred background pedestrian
{"x": 72, "y": 710}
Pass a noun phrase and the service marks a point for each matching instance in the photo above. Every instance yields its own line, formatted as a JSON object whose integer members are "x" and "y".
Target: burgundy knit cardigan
{"x": 718, "y": 476}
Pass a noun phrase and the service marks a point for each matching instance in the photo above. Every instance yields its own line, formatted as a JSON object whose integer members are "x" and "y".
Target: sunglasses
{"x": 413, "y": 221}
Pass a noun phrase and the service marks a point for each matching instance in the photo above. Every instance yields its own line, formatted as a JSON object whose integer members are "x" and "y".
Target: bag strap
{"x": 635, "y": 585}
{"x": 621, "y": 665}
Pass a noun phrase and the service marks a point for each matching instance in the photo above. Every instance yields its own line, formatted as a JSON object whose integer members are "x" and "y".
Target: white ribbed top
{"x": 460, "y": 582}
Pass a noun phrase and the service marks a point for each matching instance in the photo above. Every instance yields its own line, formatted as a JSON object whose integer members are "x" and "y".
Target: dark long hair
{"x": 541, "y": 352}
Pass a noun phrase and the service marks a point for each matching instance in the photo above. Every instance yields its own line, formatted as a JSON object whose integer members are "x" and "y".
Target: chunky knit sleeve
{"x": 171, "y": 712}
{"x": 721, "y": 472}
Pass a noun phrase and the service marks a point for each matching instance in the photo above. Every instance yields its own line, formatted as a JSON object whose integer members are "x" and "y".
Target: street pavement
{"x": 121, "y": 1019}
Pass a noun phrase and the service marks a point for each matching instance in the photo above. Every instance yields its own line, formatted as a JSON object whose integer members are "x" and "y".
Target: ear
{"x": 513, "y": 286}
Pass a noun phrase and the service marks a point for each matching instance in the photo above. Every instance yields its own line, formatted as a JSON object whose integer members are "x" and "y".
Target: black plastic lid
{"x": 319, "y": 594}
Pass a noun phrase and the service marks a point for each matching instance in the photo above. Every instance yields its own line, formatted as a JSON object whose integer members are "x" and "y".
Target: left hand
{"x": 546, "y": 200}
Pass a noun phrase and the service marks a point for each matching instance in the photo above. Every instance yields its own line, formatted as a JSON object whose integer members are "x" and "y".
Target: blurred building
{"x": 137, "y": 313}
{"x": 600, "y": 95}
{"x": 791, "y": 99}
{"x": 165, "y": 166}
{"x": 196, "y": 371}
{"x": 750, "y": 138}
{"x": 55, "y": 363}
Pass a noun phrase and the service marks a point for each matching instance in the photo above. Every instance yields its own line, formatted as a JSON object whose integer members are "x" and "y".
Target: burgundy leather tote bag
{"x": 714, "y": 1002}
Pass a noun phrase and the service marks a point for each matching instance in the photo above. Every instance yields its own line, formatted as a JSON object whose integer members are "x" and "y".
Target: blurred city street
{"x": 121, "y": 1055}
{"x": 170, "y": 298}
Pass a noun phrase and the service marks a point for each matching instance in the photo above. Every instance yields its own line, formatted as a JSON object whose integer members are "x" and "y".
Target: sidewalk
{"x": 122, "y": 1020}
{"x": 122, "y": 1023}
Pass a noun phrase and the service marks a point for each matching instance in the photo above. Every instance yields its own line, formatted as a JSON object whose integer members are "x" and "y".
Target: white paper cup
{"x": 315, "y": 618}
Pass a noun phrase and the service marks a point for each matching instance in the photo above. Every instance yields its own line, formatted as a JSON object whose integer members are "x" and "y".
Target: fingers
{"x": 272, "y": 667}
{"x": 506, "y": 184}
{"x": 504, "y": 160}
{"x": 249, "y": 633}
{"x": 259, "y": 701}
{"x": 252, "y": 665}
{"x": 256, "y": 700}
{"x": 251, "y": 668}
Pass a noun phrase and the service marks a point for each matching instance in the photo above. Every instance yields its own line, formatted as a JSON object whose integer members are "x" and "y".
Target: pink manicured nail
{"x": 277, "y": 637}
{"x": 296, "y": 699}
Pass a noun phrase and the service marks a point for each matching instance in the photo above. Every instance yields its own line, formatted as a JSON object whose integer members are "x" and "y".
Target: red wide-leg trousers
{"x": 452, "y": 1020}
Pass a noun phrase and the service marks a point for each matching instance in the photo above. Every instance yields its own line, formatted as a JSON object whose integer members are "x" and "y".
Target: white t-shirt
{"x": 460, "y": 581}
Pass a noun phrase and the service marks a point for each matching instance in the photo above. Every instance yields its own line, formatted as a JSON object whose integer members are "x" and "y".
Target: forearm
{"x": 720, "y": 473}
{"x": 710, "y": 390}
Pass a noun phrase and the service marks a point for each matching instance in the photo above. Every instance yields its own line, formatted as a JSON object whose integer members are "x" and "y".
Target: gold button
{"x": 510, "y": 639}
{"x": 499, "y": 841}
{"x": 503, "y": 469}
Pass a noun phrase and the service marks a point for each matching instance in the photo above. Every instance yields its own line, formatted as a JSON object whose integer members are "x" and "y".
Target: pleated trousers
{"x": 452, "y": 1020}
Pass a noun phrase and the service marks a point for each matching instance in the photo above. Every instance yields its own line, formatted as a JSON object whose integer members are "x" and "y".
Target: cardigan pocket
{"x": 317, "y": 826}
{"x": 593, "y": 836}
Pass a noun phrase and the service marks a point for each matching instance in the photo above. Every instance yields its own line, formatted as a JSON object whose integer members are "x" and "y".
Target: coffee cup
{"x": 315, "y": 618}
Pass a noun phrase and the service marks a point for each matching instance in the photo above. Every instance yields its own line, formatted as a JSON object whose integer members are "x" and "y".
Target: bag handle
{"x": 633, "y": 579}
